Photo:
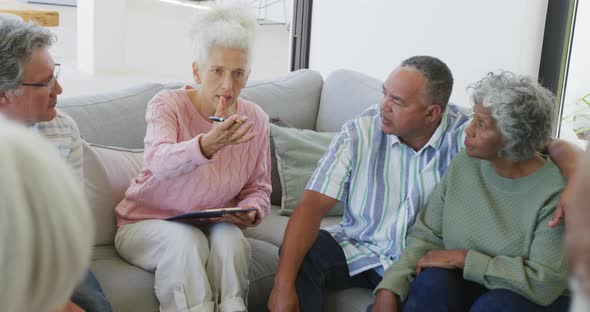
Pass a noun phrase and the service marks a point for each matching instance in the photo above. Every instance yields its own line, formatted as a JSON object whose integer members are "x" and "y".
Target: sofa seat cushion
{"x": 349, "y": 300}
{"x": 272, "y": 228}
{"x": 264, "y": 265}
{"x": 129, "y": 288}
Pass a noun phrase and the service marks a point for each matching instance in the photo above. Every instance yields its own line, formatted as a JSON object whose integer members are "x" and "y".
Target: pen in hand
{"x": 216, "y": 118}
{"x": 221, "y": 119}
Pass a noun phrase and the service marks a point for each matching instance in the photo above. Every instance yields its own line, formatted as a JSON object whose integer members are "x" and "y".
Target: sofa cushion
{"x": 108, "y": 172}
{"x": 130, "y": 289}
{"x": 277, "y": 191}
{"x": 349, "y": 300}
{"x": 345, "y": 94}
{"x": 112, "y": 118}
{"x": 127, "y": 287}
{"x": 298, "y": 152}
{"x": 293, "y": 98}
{"x": 261, "y": 273}
{"x": 272, "y": 228}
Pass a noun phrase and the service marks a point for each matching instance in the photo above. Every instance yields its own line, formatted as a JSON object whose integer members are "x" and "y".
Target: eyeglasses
{"x": 49, "y": 84}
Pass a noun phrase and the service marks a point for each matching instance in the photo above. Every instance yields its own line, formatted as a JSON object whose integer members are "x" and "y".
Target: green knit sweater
{"x": 501, "y": 222}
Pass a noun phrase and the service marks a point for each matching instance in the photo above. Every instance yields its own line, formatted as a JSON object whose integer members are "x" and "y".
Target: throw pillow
{"x": 277, "y": 193}
{"x": 298, "y": 152}
{"x": 108, "y": 172}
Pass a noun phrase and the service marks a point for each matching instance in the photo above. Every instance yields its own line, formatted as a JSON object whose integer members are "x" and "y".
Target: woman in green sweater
{"x": 483, "y": 242}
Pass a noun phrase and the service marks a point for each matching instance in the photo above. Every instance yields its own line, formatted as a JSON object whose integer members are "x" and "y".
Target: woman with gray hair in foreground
{"x": 483, "y": 242}
{"x": 45, "y": 225}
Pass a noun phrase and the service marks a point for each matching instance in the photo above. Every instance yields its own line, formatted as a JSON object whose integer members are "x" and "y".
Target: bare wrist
{"x": 282, "y": 281}
{"x": 385, "y": 298}
{"x": 208, "y": 148}
{"x": 462, "y": 259}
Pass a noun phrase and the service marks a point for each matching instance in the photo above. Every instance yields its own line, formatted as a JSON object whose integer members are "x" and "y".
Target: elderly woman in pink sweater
{"x": 193, "y": 164}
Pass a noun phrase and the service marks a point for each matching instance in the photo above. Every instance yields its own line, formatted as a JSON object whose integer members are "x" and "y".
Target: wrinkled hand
{"x": 559, "y": 213}
{"x": 385, "y": 301}
{"x": 233, "y": 130}
{"x": 446, "y": 259}
{"x": 241, "y": 219}
{"x": 283, "y": 299}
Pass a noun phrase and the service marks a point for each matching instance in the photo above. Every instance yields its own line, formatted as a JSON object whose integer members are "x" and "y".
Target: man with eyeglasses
{"x": 28, "y": 94}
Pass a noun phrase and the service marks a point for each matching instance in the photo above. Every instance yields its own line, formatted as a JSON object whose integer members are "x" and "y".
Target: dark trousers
{"x": 324, "y": 267}
{"x": 89, "y": 295}
{"x": 437, "y": 289}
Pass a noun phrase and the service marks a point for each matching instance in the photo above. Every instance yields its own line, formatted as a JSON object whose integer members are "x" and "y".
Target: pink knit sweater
{"x": 176, "y": 178}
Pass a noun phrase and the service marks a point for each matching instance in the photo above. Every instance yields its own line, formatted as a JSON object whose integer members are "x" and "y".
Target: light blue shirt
{"x": 63, "y": 133}
{"x": 383, "y": 183}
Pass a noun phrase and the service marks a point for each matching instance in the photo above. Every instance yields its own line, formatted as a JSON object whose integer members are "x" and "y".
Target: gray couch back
{"x": 301, "y": 98}
{"x": 345, "y": 94}
{"x": 118, "y": 118}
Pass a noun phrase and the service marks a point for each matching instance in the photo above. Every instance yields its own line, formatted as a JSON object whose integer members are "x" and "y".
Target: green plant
{"x": 580, "y": 118}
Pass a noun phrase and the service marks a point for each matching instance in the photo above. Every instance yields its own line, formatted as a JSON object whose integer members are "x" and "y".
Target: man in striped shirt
{"x": 28, "y": 94}
{"x": 383, "y": 165}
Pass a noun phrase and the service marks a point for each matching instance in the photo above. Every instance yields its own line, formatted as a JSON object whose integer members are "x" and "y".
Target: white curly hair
{"x": 228, "y": 26}
{"x": 46, "y": 228}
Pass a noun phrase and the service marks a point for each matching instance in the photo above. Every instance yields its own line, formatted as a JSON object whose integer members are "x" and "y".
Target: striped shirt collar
{"x": 435, "y": 139}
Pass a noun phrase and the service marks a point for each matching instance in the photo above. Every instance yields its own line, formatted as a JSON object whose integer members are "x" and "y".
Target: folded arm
{"x": 540, "y": 278}
{"x": 566, "y": 156}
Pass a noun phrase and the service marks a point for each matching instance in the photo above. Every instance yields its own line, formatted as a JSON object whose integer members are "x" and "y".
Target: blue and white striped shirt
{"x": 63, "y": 133}
{"x": 382, "y": 183}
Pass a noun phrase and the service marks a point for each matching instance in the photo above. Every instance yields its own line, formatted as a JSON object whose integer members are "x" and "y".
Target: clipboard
{"x": 206, "y": 214}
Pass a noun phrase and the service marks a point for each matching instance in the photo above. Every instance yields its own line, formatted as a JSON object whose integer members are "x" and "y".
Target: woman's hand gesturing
{"x": 233, "y": 130}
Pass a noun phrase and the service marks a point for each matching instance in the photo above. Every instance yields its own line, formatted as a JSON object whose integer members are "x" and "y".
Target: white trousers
{"x": 195, "y": 270}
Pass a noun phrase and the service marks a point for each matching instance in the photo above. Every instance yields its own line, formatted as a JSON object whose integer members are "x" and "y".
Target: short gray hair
{"x": 438, "y": 76}
{"x": 228, "y": 26}
{"x": 522, "y": 108}
{"x": 46, "y": 226}
{"x": 18, "y": 40}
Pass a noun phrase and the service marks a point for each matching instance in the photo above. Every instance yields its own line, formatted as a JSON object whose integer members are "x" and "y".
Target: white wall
{"x": 101, "y": 23}
{"x": 279, "y": 11}
{"x": 578, "y": 78}
{"x": 472, "y": 37}
{"x": 165, "y": 38}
